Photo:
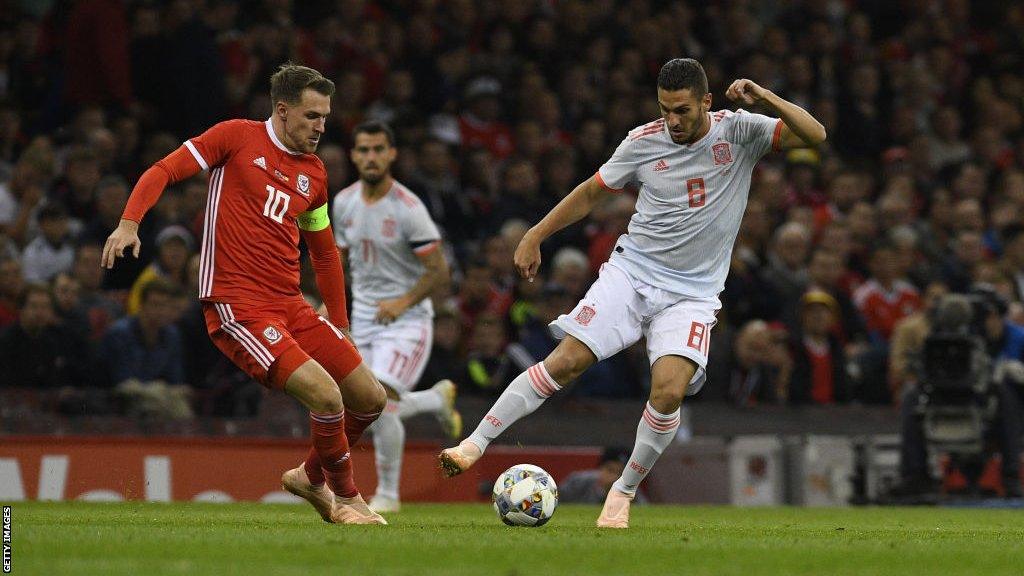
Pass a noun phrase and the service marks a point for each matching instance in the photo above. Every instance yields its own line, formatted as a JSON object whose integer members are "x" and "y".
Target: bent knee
{"x": 667, "y": 402}
{"x": 380, "y": 398}
{"x": 326, "y": 400}
{"x": 568, "y": 361}
{"x": 667, "y": 395}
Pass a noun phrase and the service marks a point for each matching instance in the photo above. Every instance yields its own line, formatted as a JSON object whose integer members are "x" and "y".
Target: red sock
{"x": 356, "y": 423}
{"x": 331, "y": 445}
{"x": 313, "y": 469}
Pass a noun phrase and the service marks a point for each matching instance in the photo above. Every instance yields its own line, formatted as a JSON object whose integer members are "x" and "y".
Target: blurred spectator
{"x": 437, "y": 185}
{"x": 787, "y": 267}
{"x": 958, "y": 267}
{"x": 479, "y": 294}
{"x": 591, "y": 486}
{"x": 101, "y": 308}
{"x": 498, "y": 251}
{"x": 396, "y": 106}
{"x": 886, "y": 297}
{"x": 802, "y": 174}
{"x": 147, "y": 347}
{"x": 819, "y": 362}
{"x": 336, "y": 165}
{"x": 76, "y": 191}
{"x": 570, "y": 269}
{"x": 908, "y": 340}
{"x": 51, "y": 252}
{"x": 486, "y": 366}
{"x": 1013, "y": 259}
{"x": 480, "y": 124}
{"x": 111, "y": 196}
{"x": 920, "y": 270}
{"x": 824, "y": 271}
{"x": 7, "y": 248}
{"x": 528, "y": 296}
{"x": 946, "y": 147}
{"x": 611, "y": 220}
{"x": 173, "y": 245}
{"x": 37, "y": 351}
{"x": 12, "y": 284}
{"x": 883, "y": 300}
{"x": 21, "y": 196}
{"x": 72, "y": 316}
{"x": 521, "y": 197}
{"x": 762, "y": 366}
{"x": 445, "y": 356}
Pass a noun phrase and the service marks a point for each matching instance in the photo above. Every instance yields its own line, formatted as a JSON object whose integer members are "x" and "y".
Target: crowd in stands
{"x": 500, "y": 109}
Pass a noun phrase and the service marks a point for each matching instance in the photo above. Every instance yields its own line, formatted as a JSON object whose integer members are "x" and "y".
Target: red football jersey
{"x": 258, "y": 190}
{"x": 882, "y": 309}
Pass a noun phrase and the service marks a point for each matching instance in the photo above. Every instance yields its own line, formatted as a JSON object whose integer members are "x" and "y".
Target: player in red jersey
{"x": 267, "y": 187}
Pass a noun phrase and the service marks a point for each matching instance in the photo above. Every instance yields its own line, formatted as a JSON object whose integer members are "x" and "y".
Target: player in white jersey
{"x": 662, "y": 281}
{"x": 395, "y": 261}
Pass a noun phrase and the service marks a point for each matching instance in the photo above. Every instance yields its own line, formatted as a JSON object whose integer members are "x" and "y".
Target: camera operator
{"x": 994, "y": 349}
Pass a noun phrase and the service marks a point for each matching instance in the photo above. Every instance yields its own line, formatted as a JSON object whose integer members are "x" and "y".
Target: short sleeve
{"x": 761, "y": 133}
{"x": 420, "y": 230}
{"x": 339, "y": 228}
{"x": 621, "y": 168}
{"x": 213, "y": 147}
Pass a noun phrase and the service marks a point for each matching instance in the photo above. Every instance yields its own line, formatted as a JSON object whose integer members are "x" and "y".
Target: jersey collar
{"x": 273, "y": 138}
{"x": 702, "y": 139}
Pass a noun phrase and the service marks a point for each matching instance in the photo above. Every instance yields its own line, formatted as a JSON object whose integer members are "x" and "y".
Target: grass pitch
{"x": 253, "y": 539}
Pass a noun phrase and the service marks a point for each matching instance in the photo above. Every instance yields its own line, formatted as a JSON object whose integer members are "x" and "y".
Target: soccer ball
{"x": 525, "y": 495}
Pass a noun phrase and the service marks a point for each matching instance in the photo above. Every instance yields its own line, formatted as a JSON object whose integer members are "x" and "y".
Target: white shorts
{"x": 618, "y": 309}
{"x": 397, "y": 353}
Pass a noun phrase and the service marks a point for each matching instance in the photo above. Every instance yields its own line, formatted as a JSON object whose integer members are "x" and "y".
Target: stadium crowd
{"x": 501, "y": 108}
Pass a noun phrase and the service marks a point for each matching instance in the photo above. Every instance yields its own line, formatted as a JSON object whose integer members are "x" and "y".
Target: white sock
{"x": 653, "y": 435}
{"x": 524, "y": 395}
{"x": 413, "y": 403}
{"x": 388, "y": 442}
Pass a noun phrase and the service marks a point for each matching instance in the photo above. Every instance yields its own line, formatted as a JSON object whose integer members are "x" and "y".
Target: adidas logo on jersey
{"x": 660, "y": 166}
{"x": 261, "y": 162}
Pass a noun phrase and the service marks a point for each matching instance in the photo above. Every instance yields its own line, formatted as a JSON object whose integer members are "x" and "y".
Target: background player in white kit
{"x": 394, "y": 254}
{"x": 663, "y": 279}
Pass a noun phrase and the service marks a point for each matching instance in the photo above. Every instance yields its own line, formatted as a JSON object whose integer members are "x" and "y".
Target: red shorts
{"x": 270, "y": 340}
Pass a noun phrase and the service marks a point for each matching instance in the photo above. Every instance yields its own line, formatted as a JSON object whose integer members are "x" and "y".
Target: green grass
{"x": 252, "y": 539}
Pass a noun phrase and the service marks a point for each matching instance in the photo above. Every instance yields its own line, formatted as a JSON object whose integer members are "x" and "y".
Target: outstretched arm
{"x": 799, "y": 128}
{"x": 571, "y": 209}
{"x": 175, "y": 167}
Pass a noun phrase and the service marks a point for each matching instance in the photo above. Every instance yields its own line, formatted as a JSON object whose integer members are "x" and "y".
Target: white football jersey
{"x": 691, "y": 202}
{"x": 383, "y": 240}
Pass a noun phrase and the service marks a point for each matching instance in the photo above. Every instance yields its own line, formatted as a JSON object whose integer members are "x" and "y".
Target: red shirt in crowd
{"x": 882, "y": 308}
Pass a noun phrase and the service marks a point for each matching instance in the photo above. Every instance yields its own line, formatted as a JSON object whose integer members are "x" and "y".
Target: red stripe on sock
{"x": 327, "y": 418}
{"x": 537, "y": 382}
{"x": 657, "y": 417}
{"x": 331, "y": 445}
{"x": 660, "y": 426}
{"x": 371, "y": 416}
{"x": 546, "y": 378}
